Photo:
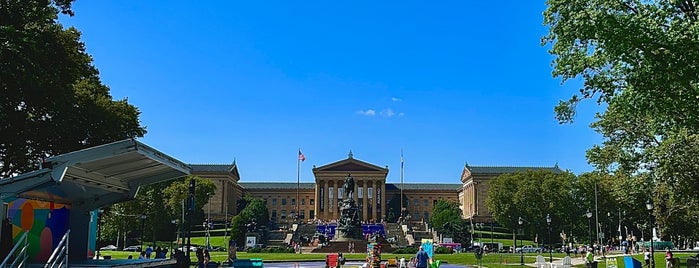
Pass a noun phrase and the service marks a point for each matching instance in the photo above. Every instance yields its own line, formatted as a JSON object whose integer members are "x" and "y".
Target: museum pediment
{"x": 350, "y": 164}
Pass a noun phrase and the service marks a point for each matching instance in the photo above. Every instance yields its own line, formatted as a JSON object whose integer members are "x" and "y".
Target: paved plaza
{"x": 320, "y": 264}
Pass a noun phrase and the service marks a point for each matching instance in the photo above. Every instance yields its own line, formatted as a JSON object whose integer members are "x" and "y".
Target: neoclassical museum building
{"x": 319, "y": 200}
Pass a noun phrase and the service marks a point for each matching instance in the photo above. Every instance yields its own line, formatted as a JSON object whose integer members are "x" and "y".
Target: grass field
{"x": 490, "y": 260}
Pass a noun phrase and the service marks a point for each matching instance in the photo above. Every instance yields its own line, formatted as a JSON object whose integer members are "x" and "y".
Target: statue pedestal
{"x": 349, "y": 227}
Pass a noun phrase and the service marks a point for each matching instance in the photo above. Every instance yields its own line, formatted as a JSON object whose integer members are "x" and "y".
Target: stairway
{"x": 394, "y": 230}
{"x": 276, "y": 239}
{"x": 304, "y": 229}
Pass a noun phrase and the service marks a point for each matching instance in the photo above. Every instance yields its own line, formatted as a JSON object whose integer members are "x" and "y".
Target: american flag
{"x": 301, "y": 156}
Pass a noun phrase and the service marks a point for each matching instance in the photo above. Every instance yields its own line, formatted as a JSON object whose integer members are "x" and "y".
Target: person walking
{"x": 668, "y": 258}
{"x": 646, "y": 257}
{"x": 589, "y": 257}
{"x": 421, "y": 258}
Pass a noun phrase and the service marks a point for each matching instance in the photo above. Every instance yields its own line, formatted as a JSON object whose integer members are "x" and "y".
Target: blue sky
{"x": 446, "y": 82}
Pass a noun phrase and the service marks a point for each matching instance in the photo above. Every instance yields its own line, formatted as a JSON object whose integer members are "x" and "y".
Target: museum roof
{"x": 504, "y": 169}
{"x": 277, "y": 185}
{"x": 423, "y": 186}
{"x": 389, "y": 186}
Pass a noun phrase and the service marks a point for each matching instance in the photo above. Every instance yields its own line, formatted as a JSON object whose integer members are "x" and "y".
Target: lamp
{"x": 649, "y": 207}
{"x": 143, "y": 228}
{"x": 548, "y": 223}
{"x": 521, "y": 250}
{"x": 99, "y": 230}
{"x": 588, "y": 214}
{"x": 174, "y": 222}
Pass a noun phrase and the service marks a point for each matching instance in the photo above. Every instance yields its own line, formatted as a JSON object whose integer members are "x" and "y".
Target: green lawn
{"x": 495, "y": 260}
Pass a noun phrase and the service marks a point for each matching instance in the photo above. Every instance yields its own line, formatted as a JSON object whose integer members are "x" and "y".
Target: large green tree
{"x": 51, "y": 98}
{"x": 161, "y": 203}
{"x": 446, "y": 219}
{"x": 532, "y": 195}
{"x": 639, "y": 59}
{"x": 254, "y": 211}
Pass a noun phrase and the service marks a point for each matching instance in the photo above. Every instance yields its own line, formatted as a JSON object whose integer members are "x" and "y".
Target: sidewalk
{"x": 558, "y": 262}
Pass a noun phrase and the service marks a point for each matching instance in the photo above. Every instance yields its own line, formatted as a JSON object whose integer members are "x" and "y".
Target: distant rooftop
{"x": 277, "y": 185}
{"x": 423, "y": 186}
{"x": 504, "y": 169}
{"x": 311, "y": 186}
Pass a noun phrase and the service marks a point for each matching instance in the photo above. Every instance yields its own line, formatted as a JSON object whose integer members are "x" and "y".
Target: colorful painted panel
{"x": 46, "y": 223}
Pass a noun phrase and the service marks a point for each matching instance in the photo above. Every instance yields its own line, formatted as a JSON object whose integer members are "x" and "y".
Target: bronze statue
{"x": 349, "y": 186}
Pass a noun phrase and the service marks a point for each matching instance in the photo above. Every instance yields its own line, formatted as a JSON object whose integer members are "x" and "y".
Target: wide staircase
{"x": 304, "y": 230}
{"x": 277, "y": 238}
{"x": 420, "y": 232}
{"x": 394, "y": 230}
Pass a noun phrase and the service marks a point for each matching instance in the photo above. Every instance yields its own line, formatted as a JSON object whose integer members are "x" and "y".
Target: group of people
{"x": 160, "y": 253}
{"x": 420, "y": 260}
{"x": 203, "y": 257}
{"x": 669, "y": 258}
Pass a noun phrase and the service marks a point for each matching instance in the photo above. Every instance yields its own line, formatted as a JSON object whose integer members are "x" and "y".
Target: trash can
{"x": 331, "y": 260}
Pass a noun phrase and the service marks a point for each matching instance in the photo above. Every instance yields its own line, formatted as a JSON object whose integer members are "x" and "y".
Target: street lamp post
{"x": 548, "y": 223}
{"x": 588, "y": 214}
{"x": 520, "y": 221}
{"x": 649, "y": 206}
{"x": 99, "y": 231}
{"x": 177, "y": 232}
{"x": 143, "y": 228}
{"x": 207, "y": 227}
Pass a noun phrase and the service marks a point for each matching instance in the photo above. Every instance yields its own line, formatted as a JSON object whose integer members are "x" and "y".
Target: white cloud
{"x": 388, "y": 112}
{"x": 368, "y": 112}
{"x": 394, "y": 99}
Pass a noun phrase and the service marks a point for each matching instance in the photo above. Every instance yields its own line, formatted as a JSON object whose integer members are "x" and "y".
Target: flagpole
{"x": 401, "y": 184}
{"x": 298, "y": 182}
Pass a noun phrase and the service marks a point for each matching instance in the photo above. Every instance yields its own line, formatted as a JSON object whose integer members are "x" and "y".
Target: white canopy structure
{"x": 92, "y": 178}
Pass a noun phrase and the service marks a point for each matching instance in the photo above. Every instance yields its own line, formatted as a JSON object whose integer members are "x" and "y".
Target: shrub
{"x": 443, "y": 250}
{"x": 409, "y": 250}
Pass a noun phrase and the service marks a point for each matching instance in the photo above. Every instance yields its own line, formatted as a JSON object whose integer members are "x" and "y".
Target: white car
{"x": 191, "y": 248}
{"x": 109, "y": 247}
{"x": 528, "y": 249}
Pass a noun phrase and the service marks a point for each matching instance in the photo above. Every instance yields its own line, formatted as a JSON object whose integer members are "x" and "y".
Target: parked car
{"x": 528, "y": 249}
{"x": 191, "y": 248}
{"x": 109, "y": 247}
{"x": 133, "y": 248}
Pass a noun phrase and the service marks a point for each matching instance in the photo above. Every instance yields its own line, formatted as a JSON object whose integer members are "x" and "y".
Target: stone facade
{"x": 288, "y": 202}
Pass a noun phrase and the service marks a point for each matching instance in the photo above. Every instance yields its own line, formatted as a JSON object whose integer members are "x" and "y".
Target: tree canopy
{"x": 161, "y": 203}
{"x": 640, "y": 60}
{"x": 532, "y": 195}
{"x": 447, "y": 219}
{"x": 51, "y": 98}
{"x": 254, "y": 211}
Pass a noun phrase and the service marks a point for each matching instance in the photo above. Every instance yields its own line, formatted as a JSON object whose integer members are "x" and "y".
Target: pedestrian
{"x": 421, "y": 258}
{"x": 646, "y": 257}
{"x": 402, "y": 262}
{"x": 589, "y": 257}
{"x": 200, "y": 258}
{"x": 668, "y": 258}
{"x": 411, "y": 263}
{"x": 207, "y": 257}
